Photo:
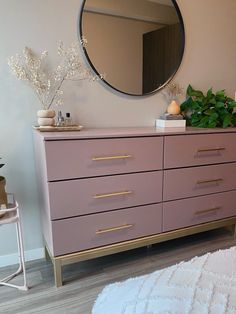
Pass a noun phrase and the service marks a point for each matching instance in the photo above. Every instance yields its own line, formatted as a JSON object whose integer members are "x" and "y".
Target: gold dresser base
{"x": 60, "y": 261}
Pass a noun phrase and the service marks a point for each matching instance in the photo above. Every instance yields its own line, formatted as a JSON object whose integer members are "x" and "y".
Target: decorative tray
{"x": 58, "y": 128}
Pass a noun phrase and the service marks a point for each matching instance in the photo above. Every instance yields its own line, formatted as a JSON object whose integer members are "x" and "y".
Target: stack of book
{"x": 171, "y": 121}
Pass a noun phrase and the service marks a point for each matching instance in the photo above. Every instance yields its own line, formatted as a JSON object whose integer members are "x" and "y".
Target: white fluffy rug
{"x": 204, "y": 285}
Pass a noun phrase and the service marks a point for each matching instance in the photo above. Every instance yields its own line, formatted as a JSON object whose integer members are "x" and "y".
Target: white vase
{"x": 46, "y": 117}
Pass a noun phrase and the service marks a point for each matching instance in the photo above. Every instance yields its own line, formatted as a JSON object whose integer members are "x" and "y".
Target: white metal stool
{"x": 7, "y": 216}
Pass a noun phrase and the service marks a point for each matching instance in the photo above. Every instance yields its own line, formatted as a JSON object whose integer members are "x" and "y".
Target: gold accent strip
{"x": 111, "y": 157}
{"x": 127, "y": 226}
{"x": 210, "y": 149}
{"x": 210, "y": 181}
{"x": 112, "y": 194}
{"x": 205, "y": 211}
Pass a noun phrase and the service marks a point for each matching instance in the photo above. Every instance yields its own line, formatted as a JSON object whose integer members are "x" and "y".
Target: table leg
{"x": 57, "y": 273}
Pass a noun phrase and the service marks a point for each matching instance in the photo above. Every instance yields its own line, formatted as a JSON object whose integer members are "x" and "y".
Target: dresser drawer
{"x": 197, "y": 210}
{"x": 81, "y": 233}
{"x": 68, "y": 159}
{"x": 84, "y": 196}
{"x": 190, "y": 150}
{"x": 187, "y": 182}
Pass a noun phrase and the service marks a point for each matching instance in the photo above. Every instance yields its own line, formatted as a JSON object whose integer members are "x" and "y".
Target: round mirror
{"x": 137, "y": 44}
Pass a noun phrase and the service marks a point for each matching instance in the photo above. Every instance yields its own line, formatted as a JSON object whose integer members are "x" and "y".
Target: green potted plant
{"x": 3, "y": 194}
{"x": 208, "y": 111}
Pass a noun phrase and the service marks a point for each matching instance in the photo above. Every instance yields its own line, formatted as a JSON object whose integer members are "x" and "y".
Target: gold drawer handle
{"x": 210, "y": 149}
{"x": 205, "y": 211}
{"x": 111, "y": 157}
{"x": 210, "y": 181}
{"x": 112, "y": 194}
{"x": 127, "y": 226}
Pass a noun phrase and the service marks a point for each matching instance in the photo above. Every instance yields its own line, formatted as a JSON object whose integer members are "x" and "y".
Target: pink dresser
{"x": 108, "y": 190}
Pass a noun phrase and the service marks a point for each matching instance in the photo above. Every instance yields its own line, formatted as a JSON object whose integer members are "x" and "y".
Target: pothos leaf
{"x": 209, "y": 93}
{"x": 227, "y": 120}
{"x": 220, "y": 93}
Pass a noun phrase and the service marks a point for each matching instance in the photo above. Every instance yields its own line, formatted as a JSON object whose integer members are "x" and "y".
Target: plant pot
{"x": 3, "y": 194}
{"x": 46, "y": 117}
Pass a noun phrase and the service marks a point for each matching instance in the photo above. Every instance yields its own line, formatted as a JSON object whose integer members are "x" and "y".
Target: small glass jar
{"x": 60, "y": 119}
{"x": 68, "y": 120}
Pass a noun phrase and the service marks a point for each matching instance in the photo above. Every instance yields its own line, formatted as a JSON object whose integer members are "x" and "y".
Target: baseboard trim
{"x": 12, "y": 259}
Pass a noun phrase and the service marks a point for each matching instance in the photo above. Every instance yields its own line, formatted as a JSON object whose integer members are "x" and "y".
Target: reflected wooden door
{"x": 162, "y": 50}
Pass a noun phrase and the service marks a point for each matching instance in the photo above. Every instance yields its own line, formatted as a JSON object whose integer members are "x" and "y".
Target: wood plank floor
{"x": 85, "y": 280}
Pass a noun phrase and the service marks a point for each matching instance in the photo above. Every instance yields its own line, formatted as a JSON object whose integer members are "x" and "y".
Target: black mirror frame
{"x": 80, "y": 35}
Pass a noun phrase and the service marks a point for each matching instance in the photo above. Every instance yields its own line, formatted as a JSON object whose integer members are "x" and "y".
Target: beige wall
{"x": 209, "y": 60}
{"x": 121, "y": 42}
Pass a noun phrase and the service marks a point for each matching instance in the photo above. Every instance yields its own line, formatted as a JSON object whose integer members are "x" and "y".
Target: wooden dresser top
{"x": 86, "y": 133}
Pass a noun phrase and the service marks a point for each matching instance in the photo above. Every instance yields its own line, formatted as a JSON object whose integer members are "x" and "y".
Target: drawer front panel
{"x": 197, "y": 210}
{"x": 68, "y": 159}
{"x": 190, "y": 150}
{"x": 181, "y": 183}
{"x": 81, "y": 233}
{"x": 84, "y": 196}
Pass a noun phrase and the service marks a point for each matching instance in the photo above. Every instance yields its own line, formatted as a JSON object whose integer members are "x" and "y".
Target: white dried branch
{"x": 47, "y": 85}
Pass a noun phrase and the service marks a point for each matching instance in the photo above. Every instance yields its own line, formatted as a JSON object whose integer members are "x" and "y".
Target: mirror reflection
{"x": 137, "y": 44}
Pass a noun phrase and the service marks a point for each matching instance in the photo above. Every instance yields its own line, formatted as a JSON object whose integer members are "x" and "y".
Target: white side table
{"x": 7, "y": 216}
